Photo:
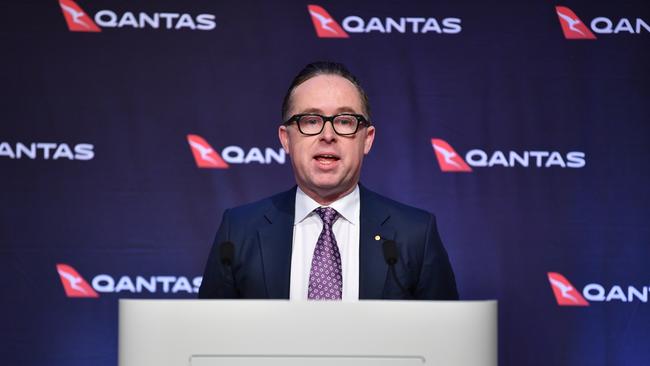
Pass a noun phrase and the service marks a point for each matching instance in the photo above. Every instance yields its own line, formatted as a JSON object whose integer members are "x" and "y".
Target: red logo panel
{"x": 325, "y": 25}
{"x": 565, "y": 293}
{"x": 204, "y": 155}
{"x": 73, "y": 283}
{"x": 448, "y": 159}
{"x": 77, "y": 19}
{"x": 572, "y": 26}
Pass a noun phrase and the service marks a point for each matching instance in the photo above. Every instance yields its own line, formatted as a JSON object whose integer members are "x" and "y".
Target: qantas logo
{"x": 327, "y": 27}
{"x": 207, "y": 157}
{"x": 47, "y": 151}
{"x": 79, "y": 21}
{"x": 73, "y": 284}
{"x": 574, "y": 29}
{"x": 76, "y": 286}
{"x": 450, "y": 161}
{"x": 567, "y": 295}
{"x": 572, "y": 26}
{"x": 204, "y": 154}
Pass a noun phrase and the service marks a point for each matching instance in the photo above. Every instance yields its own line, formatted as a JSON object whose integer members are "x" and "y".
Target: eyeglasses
{"x": 344, "y": 124}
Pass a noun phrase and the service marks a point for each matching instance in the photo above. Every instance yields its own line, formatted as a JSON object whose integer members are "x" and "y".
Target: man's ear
{"x": 370, "y": 137}
{"x": 283, "y": 134}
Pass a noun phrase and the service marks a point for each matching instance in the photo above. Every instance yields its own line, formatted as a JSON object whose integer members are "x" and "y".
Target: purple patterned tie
{"x": 325, "y": 277}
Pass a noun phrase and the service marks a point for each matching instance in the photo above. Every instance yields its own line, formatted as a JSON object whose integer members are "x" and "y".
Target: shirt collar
{"x": 347, "y": 206}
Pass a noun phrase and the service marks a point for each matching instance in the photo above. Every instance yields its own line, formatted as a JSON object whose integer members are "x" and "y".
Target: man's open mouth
{"x": 326, "y": 158}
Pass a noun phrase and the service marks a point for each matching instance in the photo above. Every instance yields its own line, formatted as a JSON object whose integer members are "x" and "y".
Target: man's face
{"x": 326, "y": 166}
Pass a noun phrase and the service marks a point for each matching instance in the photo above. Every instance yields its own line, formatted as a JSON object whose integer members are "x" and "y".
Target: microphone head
{"x": 227, "y": 253}
{"x": 391, "y": 255}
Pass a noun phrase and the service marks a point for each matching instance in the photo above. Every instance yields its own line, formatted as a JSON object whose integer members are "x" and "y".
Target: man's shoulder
{"x": 381, "y": 202}
{"x": 283, "y": 202}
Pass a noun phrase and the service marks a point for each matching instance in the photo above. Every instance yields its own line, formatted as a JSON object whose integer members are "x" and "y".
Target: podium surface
{"x": 282, "y": 332}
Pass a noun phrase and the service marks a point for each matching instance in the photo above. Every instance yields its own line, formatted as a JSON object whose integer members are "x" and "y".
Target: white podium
{"x": 247, "y": 333}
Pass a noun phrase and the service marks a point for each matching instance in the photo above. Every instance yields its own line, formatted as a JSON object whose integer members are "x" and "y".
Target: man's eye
{"x": 345, "y": 121}
{"x": 311, "y": 121}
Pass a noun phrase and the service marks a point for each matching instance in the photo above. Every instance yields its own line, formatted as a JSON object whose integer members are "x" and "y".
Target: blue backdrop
{"x": 99, "y": 97}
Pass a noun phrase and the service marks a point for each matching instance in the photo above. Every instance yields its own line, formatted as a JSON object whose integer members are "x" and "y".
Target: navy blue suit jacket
{"x": 262, "y": 233}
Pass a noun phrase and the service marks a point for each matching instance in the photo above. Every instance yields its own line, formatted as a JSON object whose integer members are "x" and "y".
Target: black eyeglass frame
{"x": 361, "y": 120}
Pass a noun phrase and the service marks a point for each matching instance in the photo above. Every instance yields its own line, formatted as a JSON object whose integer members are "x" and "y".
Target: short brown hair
{"x": 324, "y": 68}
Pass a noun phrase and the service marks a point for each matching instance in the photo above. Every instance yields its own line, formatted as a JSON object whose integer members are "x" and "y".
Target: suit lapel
{"x": 275, "y": 244}
{"x": 276, "y": 238}
{"x": 372, "y": 266}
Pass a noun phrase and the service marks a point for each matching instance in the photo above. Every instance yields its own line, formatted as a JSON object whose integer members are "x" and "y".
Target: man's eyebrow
{"x": 338, "y": 110}
{"x": 312, "y": 110}
{"x": 346, "y": 110}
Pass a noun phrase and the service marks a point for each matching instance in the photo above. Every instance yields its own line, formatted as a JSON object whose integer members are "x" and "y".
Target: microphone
{"x": 391, "y": 256}
{"x": 227, "y": 256}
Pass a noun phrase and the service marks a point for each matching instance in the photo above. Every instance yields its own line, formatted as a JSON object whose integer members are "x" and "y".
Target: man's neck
{"x": 327, "y": 198}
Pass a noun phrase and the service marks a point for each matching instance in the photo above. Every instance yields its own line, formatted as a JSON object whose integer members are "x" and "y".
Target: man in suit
{"x": 324, "y": 239}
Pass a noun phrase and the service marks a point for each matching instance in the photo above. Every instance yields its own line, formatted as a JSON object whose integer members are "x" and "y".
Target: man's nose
{"x": 328, "y": 133}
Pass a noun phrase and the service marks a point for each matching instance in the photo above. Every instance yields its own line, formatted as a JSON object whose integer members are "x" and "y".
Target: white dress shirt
{"x": 307, "y": 227}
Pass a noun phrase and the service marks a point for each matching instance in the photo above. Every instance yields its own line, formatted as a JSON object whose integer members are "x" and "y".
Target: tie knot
{"x": 327, "y": 214}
